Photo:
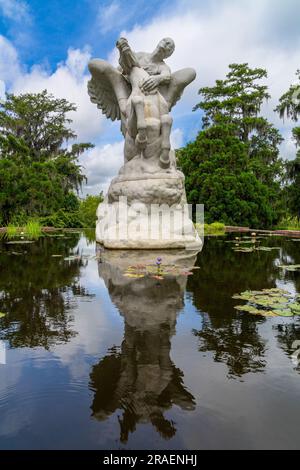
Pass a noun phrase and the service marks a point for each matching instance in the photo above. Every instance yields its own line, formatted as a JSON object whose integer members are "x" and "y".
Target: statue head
{"x": 165, "y": 47}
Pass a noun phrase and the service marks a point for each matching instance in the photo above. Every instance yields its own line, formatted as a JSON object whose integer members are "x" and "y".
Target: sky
{"x": 48, "y": 44}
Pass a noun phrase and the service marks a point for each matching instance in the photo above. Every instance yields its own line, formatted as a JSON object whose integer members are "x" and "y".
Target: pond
{"x": 99, "y": 355}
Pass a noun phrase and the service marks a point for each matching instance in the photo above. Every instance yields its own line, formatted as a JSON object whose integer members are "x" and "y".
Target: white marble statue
{"x": 141, "y": 93}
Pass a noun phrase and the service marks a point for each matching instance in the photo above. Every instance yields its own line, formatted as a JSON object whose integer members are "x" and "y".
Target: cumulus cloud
{"x": 101, "y": 164}
{"x": 15, "y": 10}
{"x": 68, "y": 81}
{"x": 176, "y": 139}
{"x": 209, "y": 35}
{"x": 227, "y": 31}
{"x": 108, "y": 16}
{"x": 9, "y": 64}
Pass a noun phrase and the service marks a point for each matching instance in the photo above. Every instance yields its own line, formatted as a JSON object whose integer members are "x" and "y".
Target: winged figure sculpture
{"x": 140, "y": 93}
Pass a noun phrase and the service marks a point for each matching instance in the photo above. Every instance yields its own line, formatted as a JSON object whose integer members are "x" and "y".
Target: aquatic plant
{"x": 33, "y": 229}
{"x": 12, "y": 231}
{"x": 156, "y": 271}
{"x": 269, "y": 302}
{"x": 217, "y": 228}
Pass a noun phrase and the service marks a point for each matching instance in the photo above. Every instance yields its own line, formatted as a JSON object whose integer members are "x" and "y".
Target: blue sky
{"x": 47, "y": 44}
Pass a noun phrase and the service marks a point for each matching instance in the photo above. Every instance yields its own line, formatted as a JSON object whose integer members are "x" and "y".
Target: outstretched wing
{"x": 179, "y": 81}
{"x": 103, "y": 95}
{"x": 175, "y": 98}
{"x": 106, "y": 87}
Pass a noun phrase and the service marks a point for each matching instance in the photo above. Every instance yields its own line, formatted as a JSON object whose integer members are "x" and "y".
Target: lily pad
{"x": 244, "y": 250}
{"x": 269, "y": 302}
{"x": 248, "y": 308}
{"x": 19, "y": 242}
{"x": 295, "y": 307}
{"x": 283, "y": 313}
{"x": 157, "y": 271}
{"x": 267, "y": 248}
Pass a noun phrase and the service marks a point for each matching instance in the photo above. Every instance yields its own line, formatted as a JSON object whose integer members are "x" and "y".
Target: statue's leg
{"x": 141, "y": 138}
{"x": 179, "y": 80}
{"x": 166, "y": 124}
{"x": 99, "y": 67}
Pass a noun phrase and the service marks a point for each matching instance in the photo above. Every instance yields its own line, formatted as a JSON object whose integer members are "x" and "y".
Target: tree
{"x": 233, "y": 167}
{"x": 88, "y": 208}
{"x": 289, "y": 106}
{"x": 39, "y": 173}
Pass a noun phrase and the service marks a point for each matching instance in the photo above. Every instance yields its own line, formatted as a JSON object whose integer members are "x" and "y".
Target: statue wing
{"x": 179, "y": 81}
{"x": 107, "y": 88}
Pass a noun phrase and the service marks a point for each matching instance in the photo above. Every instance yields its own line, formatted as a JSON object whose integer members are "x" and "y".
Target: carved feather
{"x": 102, "y": 94}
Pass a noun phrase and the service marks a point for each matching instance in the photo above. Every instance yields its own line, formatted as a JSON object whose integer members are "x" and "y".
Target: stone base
{"x": 146, "y": 213}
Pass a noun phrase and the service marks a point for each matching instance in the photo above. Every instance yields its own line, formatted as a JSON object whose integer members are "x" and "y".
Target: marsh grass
{"x": 33, "y": 229}
{"x": 12, "y": 231}
{"x": 217, "y": 228}
{"x": 289, "y": 223}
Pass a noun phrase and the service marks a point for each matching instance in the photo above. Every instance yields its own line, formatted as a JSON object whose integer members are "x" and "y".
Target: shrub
{"x": 62, "y": 219}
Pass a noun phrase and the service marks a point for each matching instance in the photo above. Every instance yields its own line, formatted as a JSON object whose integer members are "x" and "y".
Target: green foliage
{"x": 289, "y": 105}
{"x": 87, "y": 210}
{"x": 33, "y": 229}
{"x": 289, "y": 102}
{"x": 217, "y": 228}
{"x": 12, "y": 231}
{"x": 38, "y": 175}
{"x": 62, "y": 219}
{"x": 233, "y": 166}
{"x": 289, "y": 223}
{"x": 269, "y": 303}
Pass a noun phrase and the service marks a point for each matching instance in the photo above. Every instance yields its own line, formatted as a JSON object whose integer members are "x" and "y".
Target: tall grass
{"x": 216, "y": 228}
{"x": 289, "y": 223}
{"x": 12, "y": 231}
{"x": 33, "y": 229}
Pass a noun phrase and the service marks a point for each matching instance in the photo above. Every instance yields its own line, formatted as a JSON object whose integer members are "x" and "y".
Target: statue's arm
{"x": 154, "y": 81}
{"x": 165, "y": 75}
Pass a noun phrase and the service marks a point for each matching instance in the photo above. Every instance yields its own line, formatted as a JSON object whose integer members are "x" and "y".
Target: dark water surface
{"x": 96, "y": 360}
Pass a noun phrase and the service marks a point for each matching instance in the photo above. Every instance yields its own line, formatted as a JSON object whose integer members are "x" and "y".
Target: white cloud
{"x": 114, "y": 16}
{"x": 108, "y": 16}
{"x": 225, "y": 32}
{"x": 15, "y": 10}
{"x": 68, "y": 81}
{"x": 208, "y": 36}
{"x": 176, "y": 139}
{"x": 9, "y": 65}
{"x": 101, "y": 165}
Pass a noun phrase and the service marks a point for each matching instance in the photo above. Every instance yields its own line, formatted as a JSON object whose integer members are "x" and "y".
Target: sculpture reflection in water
{"x": 140, "y": 377}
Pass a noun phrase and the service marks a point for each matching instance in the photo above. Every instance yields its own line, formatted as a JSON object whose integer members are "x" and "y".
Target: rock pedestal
{"x": 146, "y": 209}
